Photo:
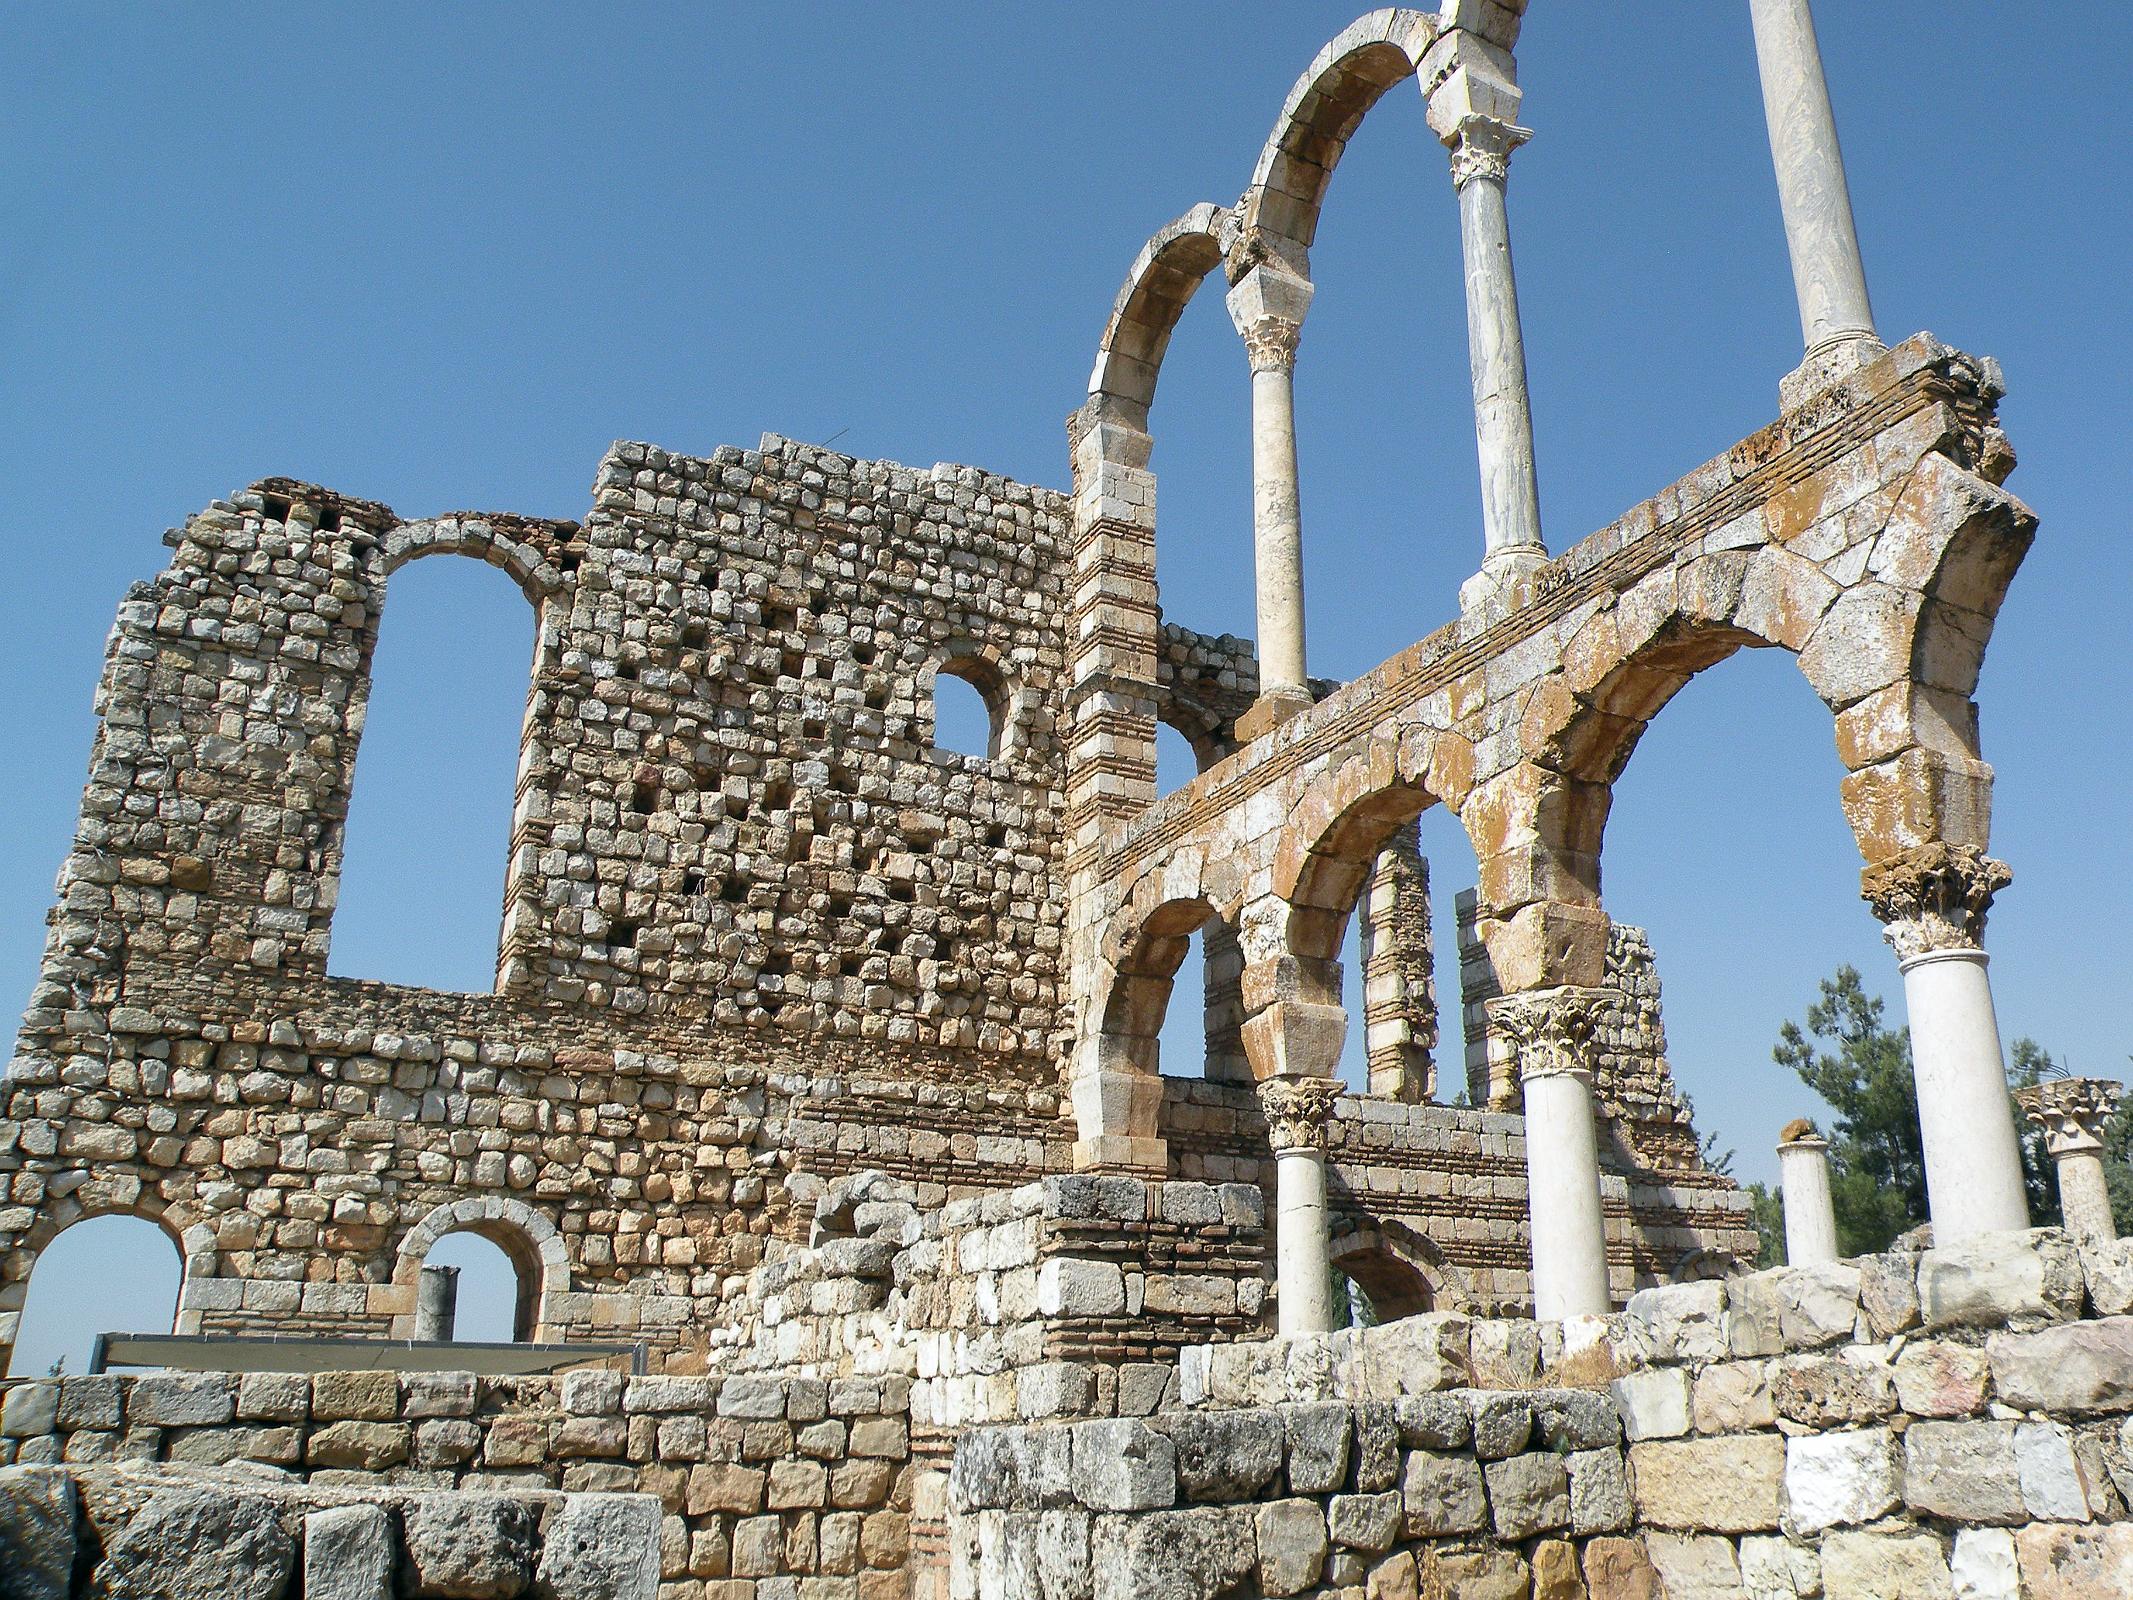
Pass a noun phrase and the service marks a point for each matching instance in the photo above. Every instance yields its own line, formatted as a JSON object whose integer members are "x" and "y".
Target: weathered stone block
{"x": 355, "y": 1396}
{"x": 1834, "y": 1479}
{"x": 1733, "y": 1397}
{"x": 1717, "y": 1485}
{"x": 468, "y": 1546}
{"x": 1226, "y": 1455}
{"x": 2079, "y": 1368}
{"x": 1793, "y": 1308}
{"x": 1599, "y": 1491}
{"x": 1681, "y": 1321}
{"x": 1654, "y": 1404}
{"x": 1369, "y": 1522}
{"x": 1528, "y": 1495}
{"x": 2013, "y": 1280}
{"x": 198, "y": 1544}
{"x": 1937, "y": 1379}
{"x": 600, "y": 1547}
{"x": 1963, "y": 1471}
{"x": 1913, "y": 1565}
{"x": 39, "y": 1533}
{"x": 1123, "y": 1465}
{"x": 1442, "y": 1495}
{"x": 1292, "y": 1543}
{"x": 2061, "y": 1561}
{"x": 1195, "y": 1554}
{"x": 1318, "y": 1442}
{"x": 182, "y": 1400}
{"x": 349, "y": 1554}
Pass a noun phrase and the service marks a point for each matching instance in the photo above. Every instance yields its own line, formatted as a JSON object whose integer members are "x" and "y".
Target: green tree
{"x": 1861, "y": 1067}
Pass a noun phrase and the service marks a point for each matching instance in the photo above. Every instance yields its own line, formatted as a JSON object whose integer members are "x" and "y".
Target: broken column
{"x": 1803, "y": 1178}
{"x": 1553, "y": 1033}
{"x": 1836, "y": 320}
{"x": 2072, "y": 1113}
{"x": 437, "y": 1303}
{"x": 1932, "y": 901}
{"x": 1268, "y": 306}
{"x": 1472, "y": 104}
{"x": 1295, "y": 1047}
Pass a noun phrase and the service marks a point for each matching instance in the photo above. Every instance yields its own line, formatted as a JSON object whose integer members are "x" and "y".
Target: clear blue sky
{"x": 441, "y": 256}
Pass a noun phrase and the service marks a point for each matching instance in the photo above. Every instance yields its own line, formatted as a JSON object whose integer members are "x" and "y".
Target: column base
{"x": 1505, "y": 580}
{"x": 1270, "y": 711}
{"x": 1118, "y": 1152}
{"x": 1827, "y": 363}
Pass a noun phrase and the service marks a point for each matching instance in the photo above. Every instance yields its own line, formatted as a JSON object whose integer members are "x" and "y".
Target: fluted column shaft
{"x": 1828, "y": 277}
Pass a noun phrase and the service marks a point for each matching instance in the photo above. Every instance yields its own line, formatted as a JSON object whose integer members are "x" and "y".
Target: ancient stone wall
{"x": 1948, "y": 1422}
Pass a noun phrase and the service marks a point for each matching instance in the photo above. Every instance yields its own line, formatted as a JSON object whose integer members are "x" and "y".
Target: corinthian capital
{"x": 1553, "y": 1030}
{"x": 2070, "y": 1111}
{"x": 1934, "y": 897}
{"x": 1298, "y": 1111}
{"x": 1268, "y": 307}
{"x": 1481, "y": 148}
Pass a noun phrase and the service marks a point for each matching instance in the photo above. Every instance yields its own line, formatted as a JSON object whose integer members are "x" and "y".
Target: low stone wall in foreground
{"x": 1940, "y": 1424}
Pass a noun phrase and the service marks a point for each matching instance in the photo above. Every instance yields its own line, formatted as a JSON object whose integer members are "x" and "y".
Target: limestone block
{"x": 1067, "y": 1287}
{"x": 1433, "y": 1422}
{"x": 454, "y": 1394}
{"x": 1793, "y": 1308}
{"x": 1503, "y": 1423}
{"x": 1835, "y": 1479}
{"x": 349, "y": 1552}
{"x": 273, "y": 1397}
{"x": 2107, "y": 1267}
{"x": 1727, "y": 1485}
{"x": 1778, "y": 1569}
{"x": 1377, "y": 1446}
{"x": 31, "y": 1409}
{"x": 1654, "y": 1403}
{"x": 1504, "y": 1353}
{"x": 1485, "y": 1574}
{"x": 1619, "y": 1569}
{"x": 601, "y": 1547}
{"x": 1414, "y": 1355}
{"x": 2079, "y": 1368}
{"x": 1318, "y": 1442}
{"x": 1936, "y": 1379}
{"x": 2014, "y": 1280}
{"x": 1983, "y": 1566}
{"x": 183, "y": 1400}
{"x": 1555, "y": 1571}
{"x": 361, "y": 1446}
{"x": 468, "y": 1546}
{"x": 1681, "y": 1321}
{"x": 355, "y": 1396}
{"x": 1599, "y": 1492}
{"x": 1369, "y": 1522}
{"x": 1123, "y": 1465}
{"x": 2055, "y": 1484}
{"x": 1574, "y": 1419}
{"x": 1442, "y": 1495}
{"x": 1913, "y": 1565}
{"x": 1529, "y": 1494}
{"x": 198, "y": 1544}
{"x": 1196, "y": 1554}
{"x": 1963, "y": 1471}
{"x": 2061, "y": 1561}
{"x": 1229, "y": 1455}
{"x": 39, "y": 1533}
{"x": 1733, "y": 1397}
{"x": 1695, "y": 1566}
{"x": 1292, "y": 1544}
{"x": 1835, "y": 1391}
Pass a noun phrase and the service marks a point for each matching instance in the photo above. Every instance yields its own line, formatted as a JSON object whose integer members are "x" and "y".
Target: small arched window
{"x": 107, "y": 1274}
{"x": 491, "y": 1295}
{"x": 970, "y": 707}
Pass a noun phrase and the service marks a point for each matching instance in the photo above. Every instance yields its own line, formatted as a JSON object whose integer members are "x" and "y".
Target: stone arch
{"x": 532, "y": 1243}
{"x": 1398, "y": 1267}
{"x": 1278, "y": 217}
{"x": 1144, "y": 953}
{"x": 1164, "y": 276}
{"x": 106, "y": 1194}
{"x": 980, "y": 666}
{"x": 523, "y": 549}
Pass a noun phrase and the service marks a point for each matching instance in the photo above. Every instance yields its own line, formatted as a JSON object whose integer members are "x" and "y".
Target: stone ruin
{"x": 823, "y": 1062}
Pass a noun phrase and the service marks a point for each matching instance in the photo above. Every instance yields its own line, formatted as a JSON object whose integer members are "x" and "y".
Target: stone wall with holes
{"x": 1950, "y": 1422}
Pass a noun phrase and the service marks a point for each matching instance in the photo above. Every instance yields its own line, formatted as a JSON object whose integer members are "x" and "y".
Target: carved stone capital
{"x": 1270, "y": 344}
{"x": 2071, "y": 1112}
{"x": 1298, "y": 1111}
{"x": 1934, "y": 897}
{"x": 1481, "y": 148}
{"x": 1553, "y": 1030}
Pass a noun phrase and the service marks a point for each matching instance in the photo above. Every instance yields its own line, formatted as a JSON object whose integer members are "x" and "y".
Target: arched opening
{"x": 963, "y": 723}
{"x": 493, "y": 1296}
{"x": 427, "y": 838}
{"x": 1377, "y": 1276}
{"x": 1199, "y": 1036}
{"x": 108, "y": 1274}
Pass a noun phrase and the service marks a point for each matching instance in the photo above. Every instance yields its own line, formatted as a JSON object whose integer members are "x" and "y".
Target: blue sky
{"x": 441, "y": 256}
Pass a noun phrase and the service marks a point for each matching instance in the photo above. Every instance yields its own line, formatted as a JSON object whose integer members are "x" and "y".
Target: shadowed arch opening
{"x": 419, "y": 860}
{"x": 1397, "y": 1271}
{"x": 112, "y": 1273}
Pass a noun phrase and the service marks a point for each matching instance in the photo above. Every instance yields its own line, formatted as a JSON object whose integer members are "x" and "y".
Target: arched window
{"x": 428, "y": 833}
{"x": 110, "y": 1274}
{"x": 492, "y": 1296}
{"x": 970, "y": 707}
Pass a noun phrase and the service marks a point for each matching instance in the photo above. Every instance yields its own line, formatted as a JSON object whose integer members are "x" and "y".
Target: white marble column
{"x": 2072, "y": 1112}
{"x": 1836, "y": 320}
{"x": 1298, "y": 1111}
{"x": 1552, "y": 1033}
{"x": 1810, "y": 1214}
{"x": 1268, "y": 307}
{"x": 1932, "y": 902}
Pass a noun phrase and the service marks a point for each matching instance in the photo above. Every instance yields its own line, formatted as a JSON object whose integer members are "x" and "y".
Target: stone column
{"x": 1298, "y": 1111}
{"x": 2072, "y": 1112}
{"x": 1803, "y": 1177}
{"x": 1472, "y": 103}
{"x": 1553, "y": 1033}
{"x": 436, "y": 1303}
{"x": 1836, "y": 319}
{"x": 1932, "y": 900}
{"x": 1268, "y": 307}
